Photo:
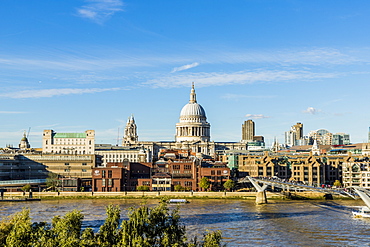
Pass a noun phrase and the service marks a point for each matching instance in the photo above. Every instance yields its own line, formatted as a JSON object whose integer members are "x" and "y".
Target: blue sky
{"x": 76, "y": 65}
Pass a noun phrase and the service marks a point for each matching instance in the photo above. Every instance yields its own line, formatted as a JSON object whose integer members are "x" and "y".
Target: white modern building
{"x": 68, "y": 143}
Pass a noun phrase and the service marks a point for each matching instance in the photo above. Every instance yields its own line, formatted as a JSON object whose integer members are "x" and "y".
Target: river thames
{"x": 279, "y": 223}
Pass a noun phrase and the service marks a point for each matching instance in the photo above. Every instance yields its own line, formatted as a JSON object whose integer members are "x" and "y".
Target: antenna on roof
{"x": 117, "y": 137}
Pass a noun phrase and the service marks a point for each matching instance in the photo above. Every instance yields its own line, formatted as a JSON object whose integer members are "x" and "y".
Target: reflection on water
{"x": 279, "y": 223}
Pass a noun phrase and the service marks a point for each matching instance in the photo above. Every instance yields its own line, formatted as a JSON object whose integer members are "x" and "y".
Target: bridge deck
{"x": 276, "y": 182}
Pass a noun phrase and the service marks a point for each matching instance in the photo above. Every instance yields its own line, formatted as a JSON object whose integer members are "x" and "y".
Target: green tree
{"x": 178, "y": 187}
{"x": 158, "y": 226}
{"x": 108, "y": 232}
{"x": 21, "y": 229}
{"x": 204, "y": 183}
{"x": 6, "y": 226}
{"x": 152, "y": 227}
{"x": 52, "y": 181}
{"x": 229, "y": 184}
{"x": 212, "y": 239}
{"x": 142, "y": 188}
{"x": 26, "y": 188}
{"x": 337, "y": 183}
{"x": 67, "y": 230}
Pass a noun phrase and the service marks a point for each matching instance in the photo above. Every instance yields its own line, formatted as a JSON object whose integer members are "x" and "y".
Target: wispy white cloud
{"x": 288, "y": 57}
{"x": 71, "y": 63}
{"x": 240, "y": 77}
{"x": 42, "y": 93}
{"x": 78, "y": 60}
{"x": 311, "y": 110}
{"x": 256, "y": 116}
{"x": 230, "y": 96}
{"x": 11, "y": 112}
{"x": 99, "y": 10}
{"x": 185, "y": 67}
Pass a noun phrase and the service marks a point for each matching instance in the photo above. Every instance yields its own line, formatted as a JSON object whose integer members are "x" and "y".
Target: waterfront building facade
{"x": 174, "y": 169}
{"x": 117, "y": 154}
{"x": 14, "y": 166}
{"x": 68, "y": 143}
{"x": 120, "y": 176}
{"x": 356, "y": 171}
{"x": 300, "y": 167}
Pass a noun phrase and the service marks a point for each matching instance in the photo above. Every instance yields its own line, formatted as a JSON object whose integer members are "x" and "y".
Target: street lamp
{"x": 29, "y": 173}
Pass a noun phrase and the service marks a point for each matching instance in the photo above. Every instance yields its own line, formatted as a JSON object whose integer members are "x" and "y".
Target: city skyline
{"x": 78, "y": 65}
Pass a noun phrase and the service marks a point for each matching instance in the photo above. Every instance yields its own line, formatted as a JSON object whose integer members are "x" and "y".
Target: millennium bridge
{"x": 290, "y": 186}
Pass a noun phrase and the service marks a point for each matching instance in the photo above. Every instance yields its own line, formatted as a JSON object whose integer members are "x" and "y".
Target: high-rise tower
{"x": 248, "y": 131}
{"x": 299, "y": 130}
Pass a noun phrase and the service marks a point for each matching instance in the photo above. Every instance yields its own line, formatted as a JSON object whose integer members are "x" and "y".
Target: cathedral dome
{"x": 193, "y": 126}
{"x": 192, "y": 109}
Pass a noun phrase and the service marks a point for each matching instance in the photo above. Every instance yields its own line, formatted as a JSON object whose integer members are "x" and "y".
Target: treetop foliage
{"x": 146, "y": 227}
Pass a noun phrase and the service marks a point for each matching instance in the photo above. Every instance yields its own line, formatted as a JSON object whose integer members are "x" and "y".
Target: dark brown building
{"x": 119, "y": 176}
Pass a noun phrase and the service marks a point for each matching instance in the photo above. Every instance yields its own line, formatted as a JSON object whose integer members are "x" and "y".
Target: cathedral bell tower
{"x": 130, "y": 135}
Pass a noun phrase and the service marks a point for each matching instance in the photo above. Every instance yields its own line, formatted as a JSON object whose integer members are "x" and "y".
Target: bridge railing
{"x": 282, "y": 183}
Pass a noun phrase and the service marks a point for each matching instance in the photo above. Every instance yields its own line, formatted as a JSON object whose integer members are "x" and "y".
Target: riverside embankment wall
{"x": 137, "y": 194}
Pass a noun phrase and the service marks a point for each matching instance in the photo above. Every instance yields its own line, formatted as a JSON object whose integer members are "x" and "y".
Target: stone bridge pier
{"x": 261, "y": 192}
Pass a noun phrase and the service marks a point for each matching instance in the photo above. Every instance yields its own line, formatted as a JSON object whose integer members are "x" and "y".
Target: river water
{"x": 279, "y": 223}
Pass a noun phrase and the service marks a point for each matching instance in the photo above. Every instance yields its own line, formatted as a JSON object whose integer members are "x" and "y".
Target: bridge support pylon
{"x": 261, "y": 192}
{"x": 261, "y": 197}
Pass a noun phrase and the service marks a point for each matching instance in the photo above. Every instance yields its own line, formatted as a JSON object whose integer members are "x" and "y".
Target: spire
{"x": 193, "y": 96}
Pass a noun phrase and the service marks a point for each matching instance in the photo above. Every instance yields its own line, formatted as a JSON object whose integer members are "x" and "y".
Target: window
{"x": 103, "y": 173}
{"x": 188, "y": 184}
{"x": 218, "y": 172}
{"x": 103, "y": 182}
{"x": 109, "y": 173}
{"x": 84, "y": 164}
{"x": 66, "y": 164}
{"x": 110, "y": 182}
{"x": 212, "y": 172}
{"x": 83, "y": 170}
{"x": 187, "y": 167}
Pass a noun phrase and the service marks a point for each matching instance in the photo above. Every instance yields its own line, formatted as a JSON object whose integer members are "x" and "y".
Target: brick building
{"x": 163, "y": 175}
{"x": 119, "y": 176}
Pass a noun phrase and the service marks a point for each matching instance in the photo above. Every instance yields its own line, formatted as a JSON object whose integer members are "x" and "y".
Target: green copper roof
{"x": 70, "y": 135}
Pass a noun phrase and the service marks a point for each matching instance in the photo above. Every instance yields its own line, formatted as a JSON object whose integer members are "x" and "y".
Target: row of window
{"x": 110, "y": 182}
{"x": 67, "y": 164}
{"x": 117, "y": 156}
{"x": 104, "y": 173}
{"x": 69, "y": 170}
